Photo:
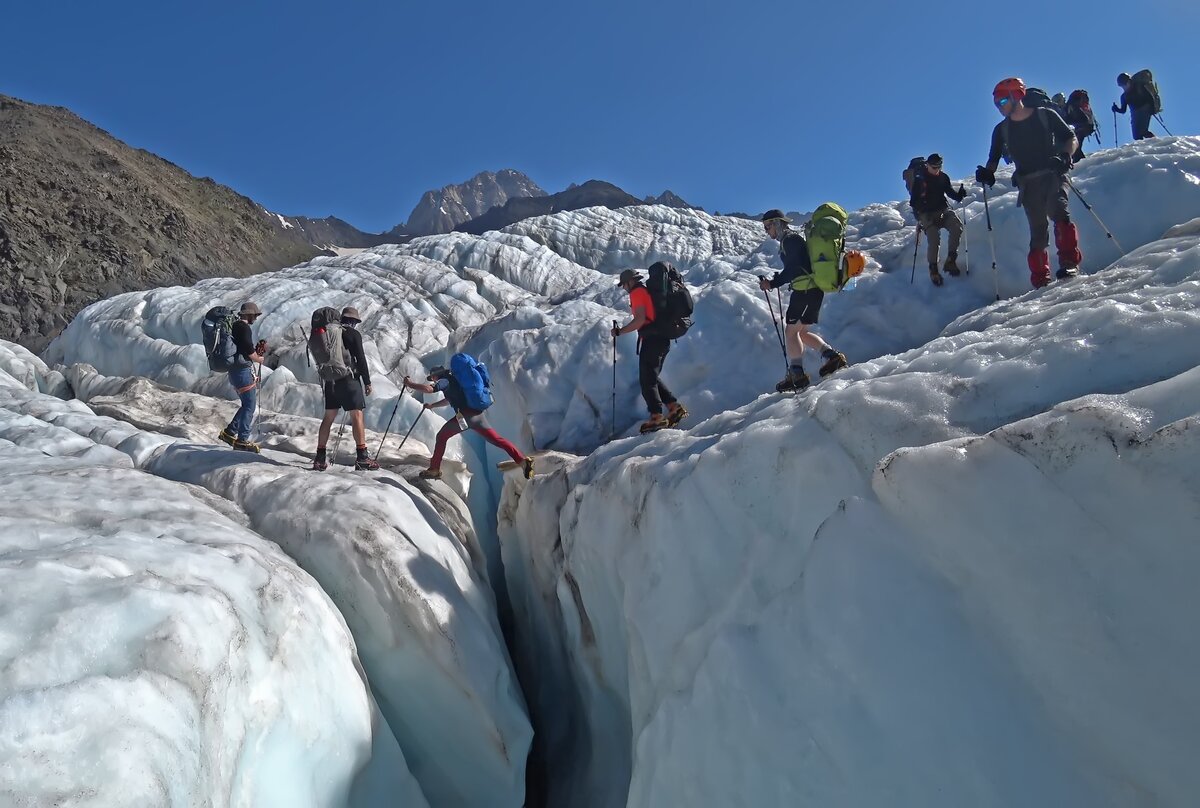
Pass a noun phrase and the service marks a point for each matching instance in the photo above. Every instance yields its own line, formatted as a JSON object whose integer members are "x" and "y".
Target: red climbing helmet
{"x": 1012, "y": 88}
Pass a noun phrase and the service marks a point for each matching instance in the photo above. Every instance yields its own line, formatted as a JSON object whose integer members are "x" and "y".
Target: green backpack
{"x": 826, "y": 235}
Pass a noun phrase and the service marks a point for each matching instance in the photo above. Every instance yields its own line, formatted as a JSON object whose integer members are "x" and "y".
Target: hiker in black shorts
{"x": 348, "y": 394}
{"x": 804, "y": 306}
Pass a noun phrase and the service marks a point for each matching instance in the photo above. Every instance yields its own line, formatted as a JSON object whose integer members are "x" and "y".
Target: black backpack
{"x": 1036, "y": 98}
{"x": 672, "y": 301}
{"x": 1146, "y": 88}
{"x": 914, "y": 172}
{"x": 1079, "y": 115}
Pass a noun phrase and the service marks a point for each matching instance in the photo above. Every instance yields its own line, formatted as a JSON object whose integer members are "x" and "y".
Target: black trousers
{"x": 650, "y": 364}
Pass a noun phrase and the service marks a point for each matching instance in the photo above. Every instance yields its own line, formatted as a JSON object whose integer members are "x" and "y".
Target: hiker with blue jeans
{"x": 241, "y": 377}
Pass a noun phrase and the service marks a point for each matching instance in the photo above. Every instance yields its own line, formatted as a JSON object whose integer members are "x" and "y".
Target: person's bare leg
{"x": 357, "y": 427}
{"x": 811, "y": 339}
{"x": 326, "y": 425}
{"x": 795, "y": 343}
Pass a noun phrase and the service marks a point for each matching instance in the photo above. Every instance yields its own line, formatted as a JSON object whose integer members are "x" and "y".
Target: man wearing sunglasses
{"x": 928, "y": 200}
{"x": 1040, "y": 144}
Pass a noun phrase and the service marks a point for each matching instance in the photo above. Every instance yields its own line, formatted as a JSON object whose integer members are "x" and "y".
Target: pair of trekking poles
{"x": 992, "y": 238}
{"x": 966, "y": 245}
{"x": 342, "y": 429}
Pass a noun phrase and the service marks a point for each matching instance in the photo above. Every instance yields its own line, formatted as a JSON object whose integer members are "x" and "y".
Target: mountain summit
{"x": 441, "y": 211}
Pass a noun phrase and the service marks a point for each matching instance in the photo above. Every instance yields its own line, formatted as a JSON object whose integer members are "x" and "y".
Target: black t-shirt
{"x": 453, "y": 392}
{"x": 243, "y": 338}
{"x": 929, "y": 193}
{"x": 358, "y": 360}
{"x": 1031, "y": 142}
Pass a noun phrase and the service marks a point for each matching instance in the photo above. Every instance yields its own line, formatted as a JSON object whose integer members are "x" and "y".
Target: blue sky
{"x": 355, "y": 108}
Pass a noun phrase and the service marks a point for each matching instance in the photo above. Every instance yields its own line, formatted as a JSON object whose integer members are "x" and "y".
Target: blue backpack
{"x": 472, "y": 377}
{"x": 216, "y": 334}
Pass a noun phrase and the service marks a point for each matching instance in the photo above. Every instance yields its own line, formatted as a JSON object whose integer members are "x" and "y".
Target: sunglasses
{"x": 1001, "y": 103}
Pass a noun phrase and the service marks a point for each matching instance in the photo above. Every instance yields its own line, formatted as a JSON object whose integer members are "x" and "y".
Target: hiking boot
{"x": 656, "y": 422}
{"x": 1067, "y": 272}
{"x": 951, "y": 266}
{"x": 934, "y": 276}
{"x": 676, "y": 412}
{"x": 246, "y": 446}
{"x": 320, "y": 463}
{"x": 431, "y": 474}
{"x": 227, "y": 437}
{"x": 834, "y": 361}
{"x": 527, "y": 468}
{"x": 365, "y": 464}
{"x": 793, "y": 381}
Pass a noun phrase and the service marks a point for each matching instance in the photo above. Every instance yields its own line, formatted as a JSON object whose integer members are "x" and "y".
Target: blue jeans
{"x": 242, "y": 380}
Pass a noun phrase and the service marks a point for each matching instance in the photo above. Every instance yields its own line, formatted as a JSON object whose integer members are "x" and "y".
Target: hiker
{"x": 1140, "y": 96}
{"x": 804, "y": 306}
{"x": 652, "y": 348}
{"x": 241, "y": 377}
{"x": 933, "y": 212}
{"x": 346, "y": 392}
{"x": 1077, "y": 112}
{"x": 1040, "y": 144}
{"x": 442, "y": 379}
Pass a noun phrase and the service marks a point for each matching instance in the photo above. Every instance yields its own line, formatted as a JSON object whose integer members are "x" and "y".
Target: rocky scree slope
{"x": 84, "y": 216}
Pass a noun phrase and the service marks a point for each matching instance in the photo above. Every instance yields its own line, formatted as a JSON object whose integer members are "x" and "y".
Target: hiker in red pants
{"x": 465, "y": 417}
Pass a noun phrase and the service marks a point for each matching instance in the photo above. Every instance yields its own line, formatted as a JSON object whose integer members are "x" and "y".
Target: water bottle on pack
{"x": 462, "y": 422}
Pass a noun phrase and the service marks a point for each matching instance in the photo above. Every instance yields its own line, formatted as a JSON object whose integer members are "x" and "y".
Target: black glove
{"x": 962, "y": 193}
{"x": 1116, "y": 108}
{"x": 1060, "y": 163}
{"x": 985, "y": 176}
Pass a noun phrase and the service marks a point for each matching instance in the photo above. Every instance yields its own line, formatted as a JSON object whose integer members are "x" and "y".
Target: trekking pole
{"x": 1092, "y": 211}
{"x": 991, "y": 240}
{"x": 613, "y": 430}
{"x": 1115, "y": 141}
{"x": 966, "y": 239}
{"x": 1158, "y": 118}
{"x": 338, "y": 442}
{"x": 916, "y": 246}
{"x": 307, "y": 356}
{"x": 389, "y": 423}
{"x": 778, "y": 333}
{"x": 410, "y": 429}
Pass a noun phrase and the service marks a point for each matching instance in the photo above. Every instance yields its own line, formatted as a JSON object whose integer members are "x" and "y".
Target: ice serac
{"x": 957, "y": 575}
{"x": 156, "y": 651}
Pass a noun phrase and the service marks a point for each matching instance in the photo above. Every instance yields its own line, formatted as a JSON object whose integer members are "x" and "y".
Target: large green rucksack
{"x": 826, "y": 235}
{"x": 1145, "y": 86}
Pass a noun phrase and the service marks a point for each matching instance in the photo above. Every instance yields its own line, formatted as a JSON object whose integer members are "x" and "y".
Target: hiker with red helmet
{"x": 1040, "y": 144}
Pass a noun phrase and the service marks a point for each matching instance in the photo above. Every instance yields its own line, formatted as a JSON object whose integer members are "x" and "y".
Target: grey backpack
{"x": 327, "y": 346}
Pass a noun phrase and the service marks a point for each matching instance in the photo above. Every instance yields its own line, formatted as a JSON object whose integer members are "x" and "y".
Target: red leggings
{"x": 490, "y": 435}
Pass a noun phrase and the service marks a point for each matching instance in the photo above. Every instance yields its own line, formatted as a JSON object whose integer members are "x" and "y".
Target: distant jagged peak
{"x": 440, "y": 211}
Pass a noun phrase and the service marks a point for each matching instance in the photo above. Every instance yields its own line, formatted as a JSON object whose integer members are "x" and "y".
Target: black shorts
{"x": 804, "y": 307}
{"x": 344, "y": 394}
